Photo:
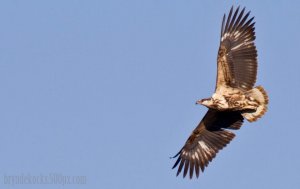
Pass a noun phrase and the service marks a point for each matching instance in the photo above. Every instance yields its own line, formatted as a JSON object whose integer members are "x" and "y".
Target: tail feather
{"x": 259, "y": 95}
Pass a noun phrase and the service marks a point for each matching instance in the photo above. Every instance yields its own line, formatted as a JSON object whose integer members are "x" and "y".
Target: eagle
{"x": 235, "y": 97}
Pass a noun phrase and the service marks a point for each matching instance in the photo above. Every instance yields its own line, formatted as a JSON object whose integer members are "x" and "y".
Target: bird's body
{"x": 231, "y": 102}
{"x": 235, "y": 97}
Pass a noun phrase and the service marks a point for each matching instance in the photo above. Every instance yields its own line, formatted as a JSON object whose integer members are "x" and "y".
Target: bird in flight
{"x": 235, "y": 97}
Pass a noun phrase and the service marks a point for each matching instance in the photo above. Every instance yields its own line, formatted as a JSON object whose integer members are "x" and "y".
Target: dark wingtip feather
{"x": 228, "y": 20}
{"x": 192, "y": 164}
{"x": 231, "y": 9}
{"x": 176, "y": 155}
{"x": 197, "y": 166}
{"x": 176, "y": 163}
{"x": 222, "y": 27}
{"x": 233, "y": 20}
{"x": 243, "y": 20}
{"x": 180, "y": 167}
{"x": 249, "y": 21}
{"x": 186, "y": 167}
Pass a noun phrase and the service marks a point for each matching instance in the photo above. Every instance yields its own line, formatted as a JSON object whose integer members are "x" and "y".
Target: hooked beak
{"x": 198, "y": 102}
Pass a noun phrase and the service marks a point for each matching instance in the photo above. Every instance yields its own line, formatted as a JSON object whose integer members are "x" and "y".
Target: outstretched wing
{"x": 206, "y": 140}
{"x": 237, "y": 56}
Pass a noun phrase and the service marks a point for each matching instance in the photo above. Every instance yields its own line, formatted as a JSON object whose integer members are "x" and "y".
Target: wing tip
{"x": 236, "y": 22}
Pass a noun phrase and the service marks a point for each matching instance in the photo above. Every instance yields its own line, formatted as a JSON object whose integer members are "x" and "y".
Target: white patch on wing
{"x": 225, "y": 136}
{"x": 238, "y": 46}
{"x": 196, "y": 154}
{"x": 224, "y": 36}
{"x": 203, "y": 146}
{"x": 237, "y": 34}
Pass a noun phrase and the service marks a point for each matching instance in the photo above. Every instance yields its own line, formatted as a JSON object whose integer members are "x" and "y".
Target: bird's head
{"x": 208, "y": 102}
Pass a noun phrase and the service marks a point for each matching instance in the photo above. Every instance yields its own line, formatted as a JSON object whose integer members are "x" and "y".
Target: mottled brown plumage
{"x": 235, "y": 96}
{"x": 237, "y": 56}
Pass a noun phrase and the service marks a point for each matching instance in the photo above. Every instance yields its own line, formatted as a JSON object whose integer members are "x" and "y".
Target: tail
{"x": 259, "y": 95}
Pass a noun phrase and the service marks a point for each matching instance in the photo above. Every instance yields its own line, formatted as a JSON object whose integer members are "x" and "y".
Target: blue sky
{"x": 107, "y": 90}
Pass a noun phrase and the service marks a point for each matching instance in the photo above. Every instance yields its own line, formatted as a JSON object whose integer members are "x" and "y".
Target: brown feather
{"x": 206, "y": 140}
{"x": 237, "y": 56}
{"x": 236, "y": 76}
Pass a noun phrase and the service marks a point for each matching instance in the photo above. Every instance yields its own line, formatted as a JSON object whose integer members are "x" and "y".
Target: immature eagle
{"x": 235, "y": 96}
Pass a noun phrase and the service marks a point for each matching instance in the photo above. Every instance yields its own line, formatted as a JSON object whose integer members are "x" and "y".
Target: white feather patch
{"x": 204, "y": 146}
